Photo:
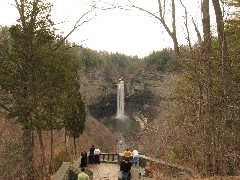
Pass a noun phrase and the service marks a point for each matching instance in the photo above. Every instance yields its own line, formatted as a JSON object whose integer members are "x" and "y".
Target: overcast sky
{"x": 130, "y": 32}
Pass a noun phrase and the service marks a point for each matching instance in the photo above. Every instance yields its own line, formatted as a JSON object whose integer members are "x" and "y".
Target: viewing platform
{"x": 109, "y": 168}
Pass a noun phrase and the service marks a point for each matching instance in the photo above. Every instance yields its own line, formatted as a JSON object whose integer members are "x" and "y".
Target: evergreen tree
{"x": 75, "y": 116}
{"x": 36, "y": 78}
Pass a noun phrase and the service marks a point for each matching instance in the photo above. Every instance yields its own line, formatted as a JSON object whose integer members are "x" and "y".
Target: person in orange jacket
{"x": 127, "y": 154}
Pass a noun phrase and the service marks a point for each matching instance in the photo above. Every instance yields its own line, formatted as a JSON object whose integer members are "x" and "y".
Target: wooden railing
{"x": 109, "y": 157}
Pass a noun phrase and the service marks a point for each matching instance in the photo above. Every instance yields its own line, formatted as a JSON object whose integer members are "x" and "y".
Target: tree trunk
{"x": 28, "y": 153}
{"x": 51, "y": 154}
{"x": 226, "y": 76}
{"x": 207, "y": 89}
{"x": 226, "y": 61}
{"x": 75, "y": 147}
{"x": 43, "y": 157}
{"x": 174, "y": 30}
{"x": 65, "y": 141}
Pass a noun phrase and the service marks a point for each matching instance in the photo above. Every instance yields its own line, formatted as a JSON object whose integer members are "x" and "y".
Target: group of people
{"x": 94, "y": 155}
{"x": 93, "y": 158}
{"x": 135, "y": 154}
{"x": 125, "y": 166}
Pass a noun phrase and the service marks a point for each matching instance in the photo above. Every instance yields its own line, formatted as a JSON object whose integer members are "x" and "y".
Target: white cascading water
{"x": 120, "y": 100}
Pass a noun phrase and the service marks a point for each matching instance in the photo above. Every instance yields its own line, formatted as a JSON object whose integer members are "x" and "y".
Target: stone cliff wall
{"x": 141, "y": 93}
{"x": 145, "y": 93}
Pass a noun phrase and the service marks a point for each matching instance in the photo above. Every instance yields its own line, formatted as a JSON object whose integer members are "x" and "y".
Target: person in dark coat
{"x": 83, "y": 159}
{"x": 91, "y": 155}
{"x": 125, "y": 168}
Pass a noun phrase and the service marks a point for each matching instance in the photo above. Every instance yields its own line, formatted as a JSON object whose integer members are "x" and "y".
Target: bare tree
{"x": 172, "y": 31}
{"x": 209, "y": 126}
{"x": 81, "y": 21}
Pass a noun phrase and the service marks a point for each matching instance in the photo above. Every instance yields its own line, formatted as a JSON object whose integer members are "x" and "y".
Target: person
{"x": 135, "y": 155}
{"x": 97, "y": 155}
{"x": 127, "y": 154}
{"x": 83, "y": 175}
{"x": 83, "y": 159}
{"x": 91, "y": 155}
{"x": 125, "y": 168}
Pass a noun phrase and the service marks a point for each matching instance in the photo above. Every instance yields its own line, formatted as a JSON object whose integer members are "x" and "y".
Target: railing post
{"x": 103, "y": 157}
{"x": 109, "y": 157}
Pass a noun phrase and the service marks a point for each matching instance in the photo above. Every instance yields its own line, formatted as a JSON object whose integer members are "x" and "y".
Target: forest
{"x": 40, "y": 91}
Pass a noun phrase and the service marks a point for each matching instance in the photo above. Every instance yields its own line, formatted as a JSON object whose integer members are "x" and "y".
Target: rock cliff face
{"x": 142, "y": 95}
{"x": 99, "y": 93}
{"x": 146, "y": 103}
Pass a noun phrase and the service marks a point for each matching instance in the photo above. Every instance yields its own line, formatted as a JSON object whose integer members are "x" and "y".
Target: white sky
{"x": 128, "y": 32}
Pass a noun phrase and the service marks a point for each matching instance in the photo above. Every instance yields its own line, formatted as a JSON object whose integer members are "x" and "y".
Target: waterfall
{"x": 120, "y": 100}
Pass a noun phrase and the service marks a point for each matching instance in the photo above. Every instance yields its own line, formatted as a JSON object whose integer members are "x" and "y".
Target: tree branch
{"x": 161, "y": 18}
{"x": 197, "y": 31}
{"x": 186, "y": 25}
{"x": 78, "y": 25}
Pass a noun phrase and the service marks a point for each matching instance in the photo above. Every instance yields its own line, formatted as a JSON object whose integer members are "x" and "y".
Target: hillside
{"x": 10, "y": 135}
